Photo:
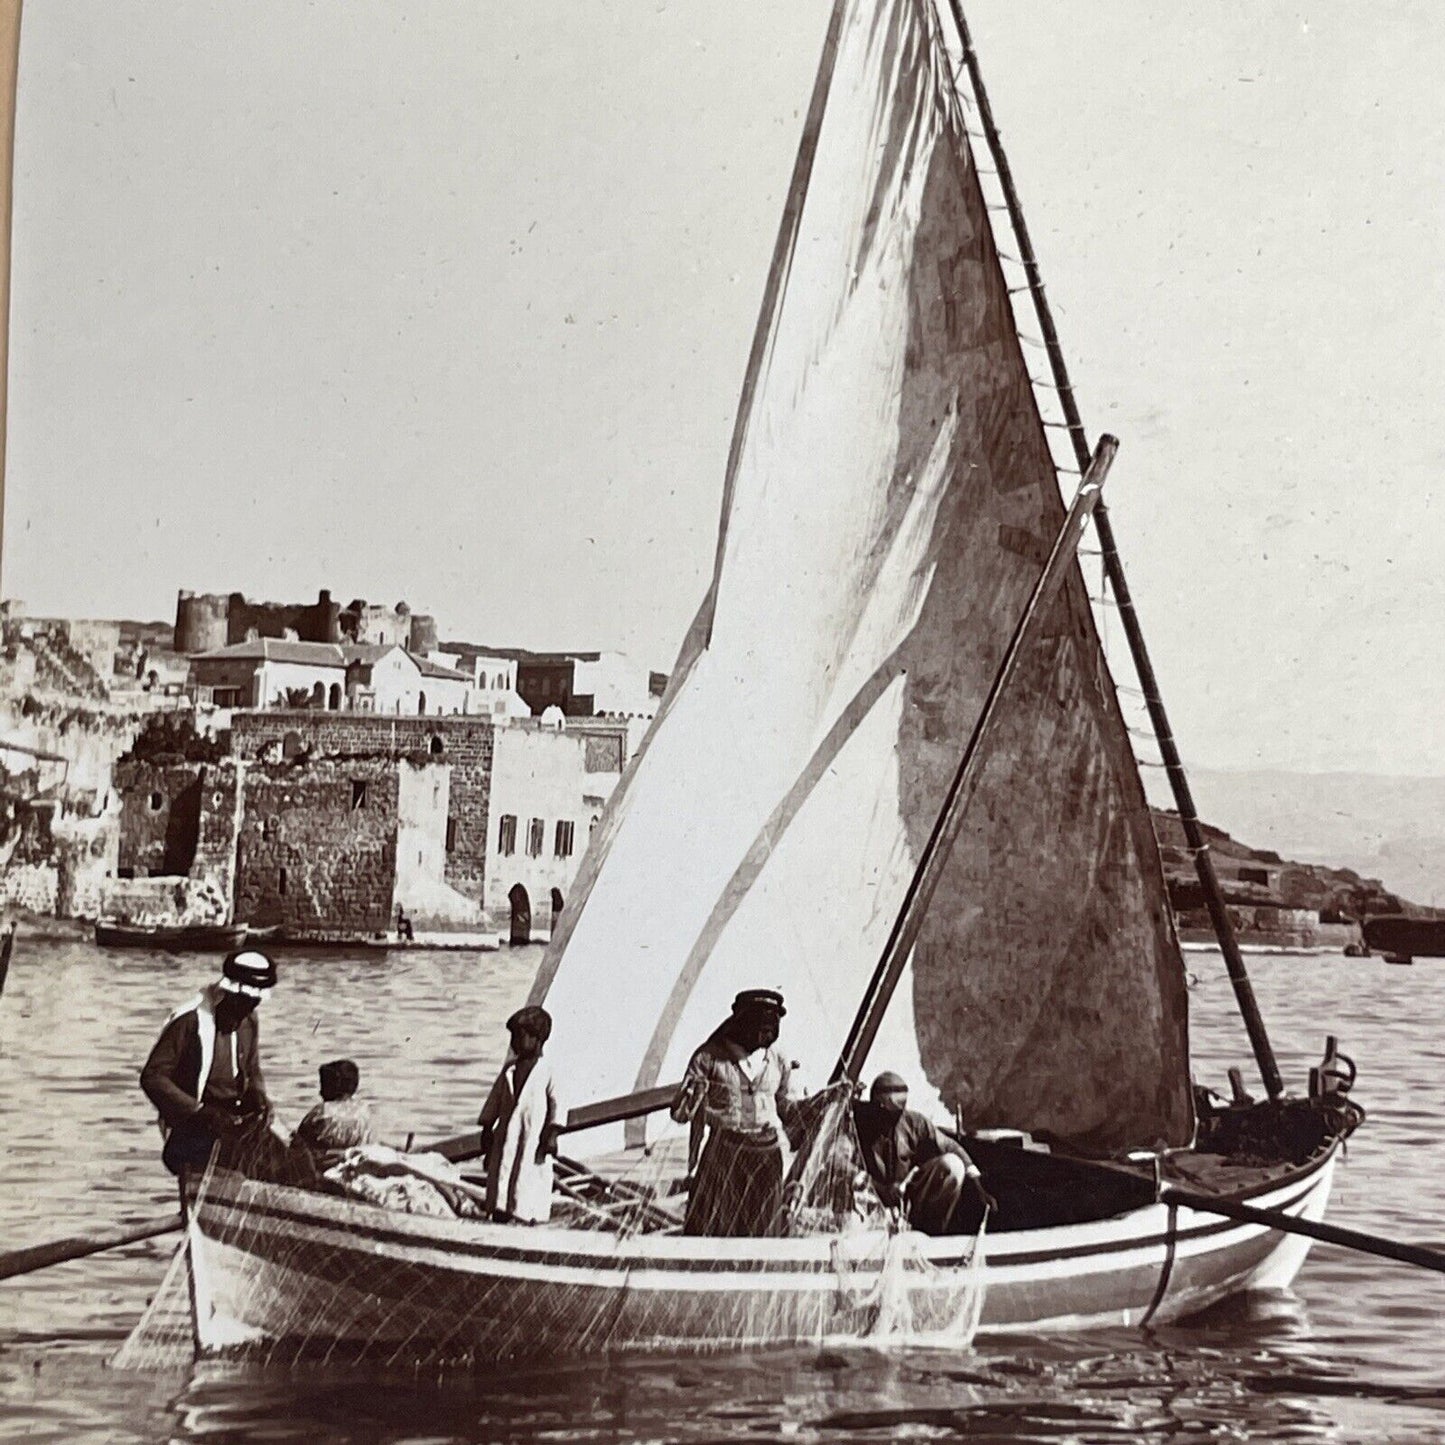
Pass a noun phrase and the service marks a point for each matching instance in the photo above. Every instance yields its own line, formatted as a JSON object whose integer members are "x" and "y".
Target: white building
{"x": 548, "y": 788}
{"x": 494, "y": 682}
{"x": 391, "y": 680}
{"x": 270, "y": 672}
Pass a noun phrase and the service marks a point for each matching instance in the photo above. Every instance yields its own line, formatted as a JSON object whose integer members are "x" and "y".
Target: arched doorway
{"x": 335, "y": 697}
{"x": 421, "y": 704}
{"x": 318, "y": 695}
{"x": 556, "y": 908}
{"x": 521, "y": 915}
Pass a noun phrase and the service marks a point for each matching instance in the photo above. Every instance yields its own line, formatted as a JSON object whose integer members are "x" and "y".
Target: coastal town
{"x": 329, "y": 774}
{"x": 314, "y": 772}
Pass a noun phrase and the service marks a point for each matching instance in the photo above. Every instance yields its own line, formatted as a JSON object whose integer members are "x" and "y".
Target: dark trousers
{"x": 187, "y": 1147}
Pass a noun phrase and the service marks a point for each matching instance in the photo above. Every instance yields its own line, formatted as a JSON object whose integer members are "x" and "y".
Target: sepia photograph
{"x": 721, "y": 722}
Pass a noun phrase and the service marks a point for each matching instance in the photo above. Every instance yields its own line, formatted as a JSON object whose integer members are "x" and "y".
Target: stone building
{"x": 493, "y": 678}
{"x": 329, "y": 677}
{"x": 330, "y": 847}
{"x": 323, "y": 823}
{"x": 391, "y": 680}
{"x": 579, "y": 684}
{"x": 548, "y": 784}
{"x": 208, "y": 621}
{"x": 548, "y": 789}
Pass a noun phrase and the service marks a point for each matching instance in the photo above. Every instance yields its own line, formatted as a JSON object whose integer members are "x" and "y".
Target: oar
{"x": 77, "y": 1246}
{"x": 1415, "y": 1254}
{"x": 462, "y": 1147}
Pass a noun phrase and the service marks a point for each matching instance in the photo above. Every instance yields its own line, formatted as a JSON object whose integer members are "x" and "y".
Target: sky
{"x": 451, "y": 302}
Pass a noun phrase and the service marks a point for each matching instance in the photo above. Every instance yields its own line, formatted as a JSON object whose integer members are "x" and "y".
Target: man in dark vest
{"x": 913, "y": 1165}
{"x": 204, "y": 1073}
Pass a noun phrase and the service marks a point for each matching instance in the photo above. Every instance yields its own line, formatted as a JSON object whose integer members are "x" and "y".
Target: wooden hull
{"x": 199, "y": 938}
{"x": 282, "y": 1272}
{"x": 1406, "y": 937}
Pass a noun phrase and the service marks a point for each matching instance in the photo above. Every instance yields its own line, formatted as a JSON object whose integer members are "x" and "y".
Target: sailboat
{"x": 891, "y": 778}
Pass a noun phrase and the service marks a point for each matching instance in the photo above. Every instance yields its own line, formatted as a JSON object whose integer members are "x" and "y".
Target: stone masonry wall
{"x": 316, "y": 851}
{"x": 215, "y": 860}
{"x": 160, "y": 808}
{"x": 466, "y": 744}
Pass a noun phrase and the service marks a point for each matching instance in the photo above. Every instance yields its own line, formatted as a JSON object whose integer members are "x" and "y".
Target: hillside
{"x": 1260, "y": 877}
{"x": 1386, "y": 828}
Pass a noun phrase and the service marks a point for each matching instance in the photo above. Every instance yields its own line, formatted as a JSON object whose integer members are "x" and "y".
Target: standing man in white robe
{"x": 520, "y": 1122}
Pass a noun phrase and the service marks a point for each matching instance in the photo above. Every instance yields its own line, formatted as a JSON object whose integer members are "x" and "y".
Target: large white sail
{"x": 889, "y": 501}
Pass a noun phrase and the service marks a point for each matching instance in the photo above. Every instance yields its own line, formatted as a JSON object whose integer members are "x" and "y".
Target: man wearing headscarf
{"x": 738, "y": 1085}
{"x": 520, "y": 1123}
{"x": 204, "y": 1073}
{"x": 912, "y": 1164}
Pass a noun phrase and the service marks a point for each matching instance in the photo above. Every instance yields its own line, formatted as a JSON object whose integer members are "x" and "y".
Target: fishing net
{"x": 163, "y": 1337}
{"x": 356, "y": 1268}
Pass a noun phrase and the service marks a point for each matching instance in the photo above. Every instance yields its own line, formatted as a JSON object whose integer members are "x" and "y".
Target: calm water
{"x": 1355, "y": 1353}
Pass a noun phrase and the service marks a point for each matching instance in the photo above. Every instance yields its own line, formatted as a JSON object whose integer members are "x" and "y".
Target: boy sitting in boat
{"x": 737, "y": 1084}
{"x": 340, "y": 1121}
{"x": 912, "y": 1165}
{"x": 520, "y": 1123}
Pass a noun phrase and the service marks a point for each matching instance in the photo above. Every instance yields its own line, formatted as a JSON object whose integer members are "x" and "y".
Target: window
{"x": 358, "y": 794}
{"x": 436, "y": 745}
{"x": 156, "y": 801}
{"x": 507, "y": 835}
{"x": 592, "y": 826}
{"x": 563, "y": 842}
{"x": 281, "y": 881}
{"x": 536, "y": 833}
{"x": 451, "y": 835}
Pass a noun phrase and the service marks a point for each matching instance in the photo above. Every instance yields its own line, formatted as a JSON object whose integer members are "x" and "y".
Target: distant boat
{"x": 184, "y": 938}
{"x": 1402, "y": 939}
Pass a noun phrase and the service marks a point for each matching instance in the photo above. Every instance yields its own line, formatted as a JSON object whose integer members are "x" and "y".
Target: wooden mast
{"x": 1128, "y": 616}
{"x": 935, "y": 853}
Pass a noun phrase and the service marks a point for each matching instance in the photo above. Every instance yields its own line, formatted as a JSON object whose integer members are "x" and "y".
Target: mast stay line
{"x": 935, "y": 852}
{"x": 1128, "y": 616}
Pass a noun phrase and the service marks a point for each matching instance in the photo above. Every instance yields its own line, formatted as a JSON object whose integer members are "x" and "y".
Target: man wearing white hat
{"x": 204, "y": 1073}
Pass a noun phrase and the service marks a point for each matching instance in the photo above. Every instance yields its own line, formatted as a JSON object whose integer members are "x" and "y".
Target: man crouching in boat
{"x": 738, "y": 1085}
{"x": 912, "y": 1165}
{"x": 204, "y": 1073}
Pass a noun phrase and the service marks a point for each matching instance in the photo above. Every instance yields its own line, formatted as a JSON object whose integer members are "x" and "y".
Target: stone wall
{"x": 163, "y": 902}
{"x": 200, "y": 622}
{"x": 316, "y": 849}
{"x": 465, "y": 744}
{"x": 32, "y": 886}
{"x": 85, "y": 851}
{"x": 215, "y": 860}
{"x": 160, "y": 817}
{"x": 207, "y": 620}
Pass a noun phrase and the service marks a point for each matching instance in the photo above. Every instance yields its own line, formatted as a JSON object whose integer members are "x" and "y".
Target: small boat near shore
{"x": 178, "y": 938}
{"x": 1403, "y": 939}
